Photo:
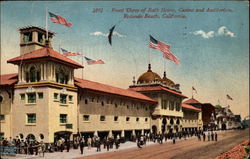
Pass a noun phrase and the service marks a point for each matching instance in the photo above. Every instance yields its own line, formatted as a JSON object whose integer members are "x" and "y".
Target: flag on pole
{"x": 194, "y": 90}
{"x": 164, "y": 48}
{"x": 67, "y": 53}
{"x": 228, "y": 97}
{"x": 92, "y": 62}
{"x": 110, "y": 34}
{"x": 58, "y": 19}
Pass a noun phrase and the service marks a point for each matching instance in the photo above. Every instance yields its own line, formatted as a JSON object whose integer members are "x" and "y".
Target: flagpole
{"x": 82, "y": 64}
{"x": 149, "y": 56}
{"x": 60, "y": 46}
{"x": 192, "y": 93}
{"x": 47, "y": 37}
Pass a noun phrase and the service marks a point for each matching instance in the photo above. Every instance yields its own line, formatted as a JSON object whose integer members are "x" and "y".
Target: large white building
{"x": 45, "y": 101}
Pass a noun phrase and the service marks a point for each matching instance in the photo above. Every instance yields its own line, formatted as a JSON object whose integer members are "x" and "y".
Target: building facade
{"x": 44, "y": 101}
{"x": 192, "y": 118}
{"x": 167, "y": 115}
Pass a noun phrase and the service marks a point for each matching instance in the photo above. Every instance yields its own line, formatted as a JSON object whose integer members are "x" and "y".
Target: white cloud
{"x": 98, "y": 33}
{"x": 205, "y": 35}
{"x": 224, "y": 31}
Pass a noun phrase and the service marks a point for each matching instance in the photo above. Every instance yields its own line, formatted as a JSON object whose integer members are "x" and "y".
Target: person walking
{"x": 174, "y": 139}
{"x": 98, "y": 144}
{"x": 67, "y": 142}
{"x": 89, "y": 142}
{"x": 208, "y": 136}
{"x": 82, "y": 145}
{"x": 204, "y": 136}
{"x": 212, "y": 136}
{"x": 215, "y": 136}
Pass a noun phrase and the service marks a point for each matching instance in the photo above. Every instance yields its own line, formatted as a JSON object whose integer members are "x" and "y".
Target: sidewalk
{"x": 75, "y": 153}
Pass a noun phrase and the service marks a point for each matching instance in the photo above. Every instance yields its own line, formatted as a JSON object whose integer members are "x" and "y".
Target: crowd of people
{"x": 33, "y": 147}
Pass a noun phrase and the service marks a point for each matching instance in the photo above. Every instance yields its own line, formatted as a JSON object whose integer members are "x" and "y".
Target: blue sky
{"x": 213, "y": 47}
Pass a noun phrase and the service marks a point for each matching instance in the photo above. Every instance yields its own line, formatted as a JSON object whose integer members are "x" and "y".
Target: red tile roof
{"x": 155, "y": 88}
{"x": 8, "y": 79}
{"x": 192, "y": 101}
{"x": 44, "y": 54}
{"x": 187, "y": 106}
{"x": 95, "y": 86}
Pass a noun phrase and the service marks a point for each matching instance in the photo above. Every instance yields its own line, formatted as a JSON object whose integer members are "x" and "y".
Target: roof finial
{"x": 133, "y": 80}
{"x": 149, "y": 68}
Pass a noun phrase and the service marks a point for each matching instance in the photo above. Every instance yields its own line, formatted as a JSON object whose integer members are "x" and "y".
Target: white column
{"x": 42, "y": 71}
{"x": 123, "y": 133}
{"x": 19, "y": 74}
{"x": 110, "y": 133}
{"x": 95, "y": 133}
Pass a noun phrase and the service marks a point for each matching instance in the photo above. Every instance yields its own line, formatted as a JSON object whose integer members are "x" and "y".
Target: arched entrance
{"x": 30, "y": 137}
{"x": 64, "y": 134}
{"x": 163, "y": 126}
{"x": 224, "y": 126}
{"x": 154, "y": 129}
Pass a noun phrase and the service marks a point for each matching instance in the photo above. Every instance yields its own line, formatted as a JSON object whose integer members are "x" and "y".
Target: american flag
{"x": 165, "y": 48}
{"x": 67, "y": 53}
{"x": 92, "y": 62}
{"x": 58, "y": 19}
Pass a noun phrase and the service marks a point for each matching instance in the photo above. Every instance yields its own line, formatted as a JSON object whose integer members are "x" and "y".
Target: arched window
{"x": 41, "y": 136}
{"x": 62, "y": 77}
{"x": 171, "y": 121}
{"x": 33, "y": 75}
{"x": 31, "y": 137}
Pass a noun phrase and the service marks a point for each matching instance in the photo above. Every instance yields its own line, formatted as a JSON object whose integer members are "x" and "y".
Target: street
{"x": 188, "y": 149}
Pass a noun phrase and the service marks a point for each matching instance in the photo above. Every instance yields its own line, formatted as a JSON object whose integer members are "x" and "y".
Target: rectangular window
{"x": 115, "y": 118}
{"x": 70, "y": 98}
{"x": 146, "y": 119}
{"x": 31, "y": 98}
{"x": 55, "y": 95}
{"x": 2, "y": 117}
{"x": 63, "y": 98}
{"x": 31, "y": 118}
{"x": 22, "y": 96}
{"x": 127, "y": 118}
{"x": 85, "y": 117}
{"x": 40, "y": 95}
{"x": 102, "y": 118}
{"x": 137, "y": 119}
{"x": 63, "y": 118}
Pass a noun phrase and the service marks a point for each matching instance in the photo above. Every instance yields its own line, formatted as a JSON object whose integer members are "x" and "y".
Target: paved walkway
{"x": 75, "y": 153}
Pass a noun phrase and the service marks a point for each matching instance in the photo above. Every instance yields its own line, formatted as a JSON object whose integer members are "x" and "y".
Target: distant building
{"x": 225, "y": 119}
{"x": 192, "y": 118}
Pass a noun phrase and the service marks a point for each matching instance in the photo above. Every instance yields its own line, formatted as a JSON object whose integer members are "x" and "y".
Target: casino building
{"x": 44, "y": 100}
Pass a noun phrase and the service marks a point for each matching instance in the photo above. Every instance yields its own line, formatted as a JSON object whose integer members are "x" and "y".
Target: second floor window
{"x": 63, "y": 98}
{"x": 85, "y": 117}
{"x": 102, "y": 118}
{"x": 63, "y": 118}
{"x": 31, "y": 118}
{"x": 31, "y": 97}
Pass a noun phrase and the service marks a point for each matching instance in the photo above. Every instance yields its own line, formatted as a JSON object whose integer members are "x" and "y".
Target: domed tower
{"x": 148, "y": 77}
{"x": 167, "y": 114}
{"x": 167, "y": 81}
